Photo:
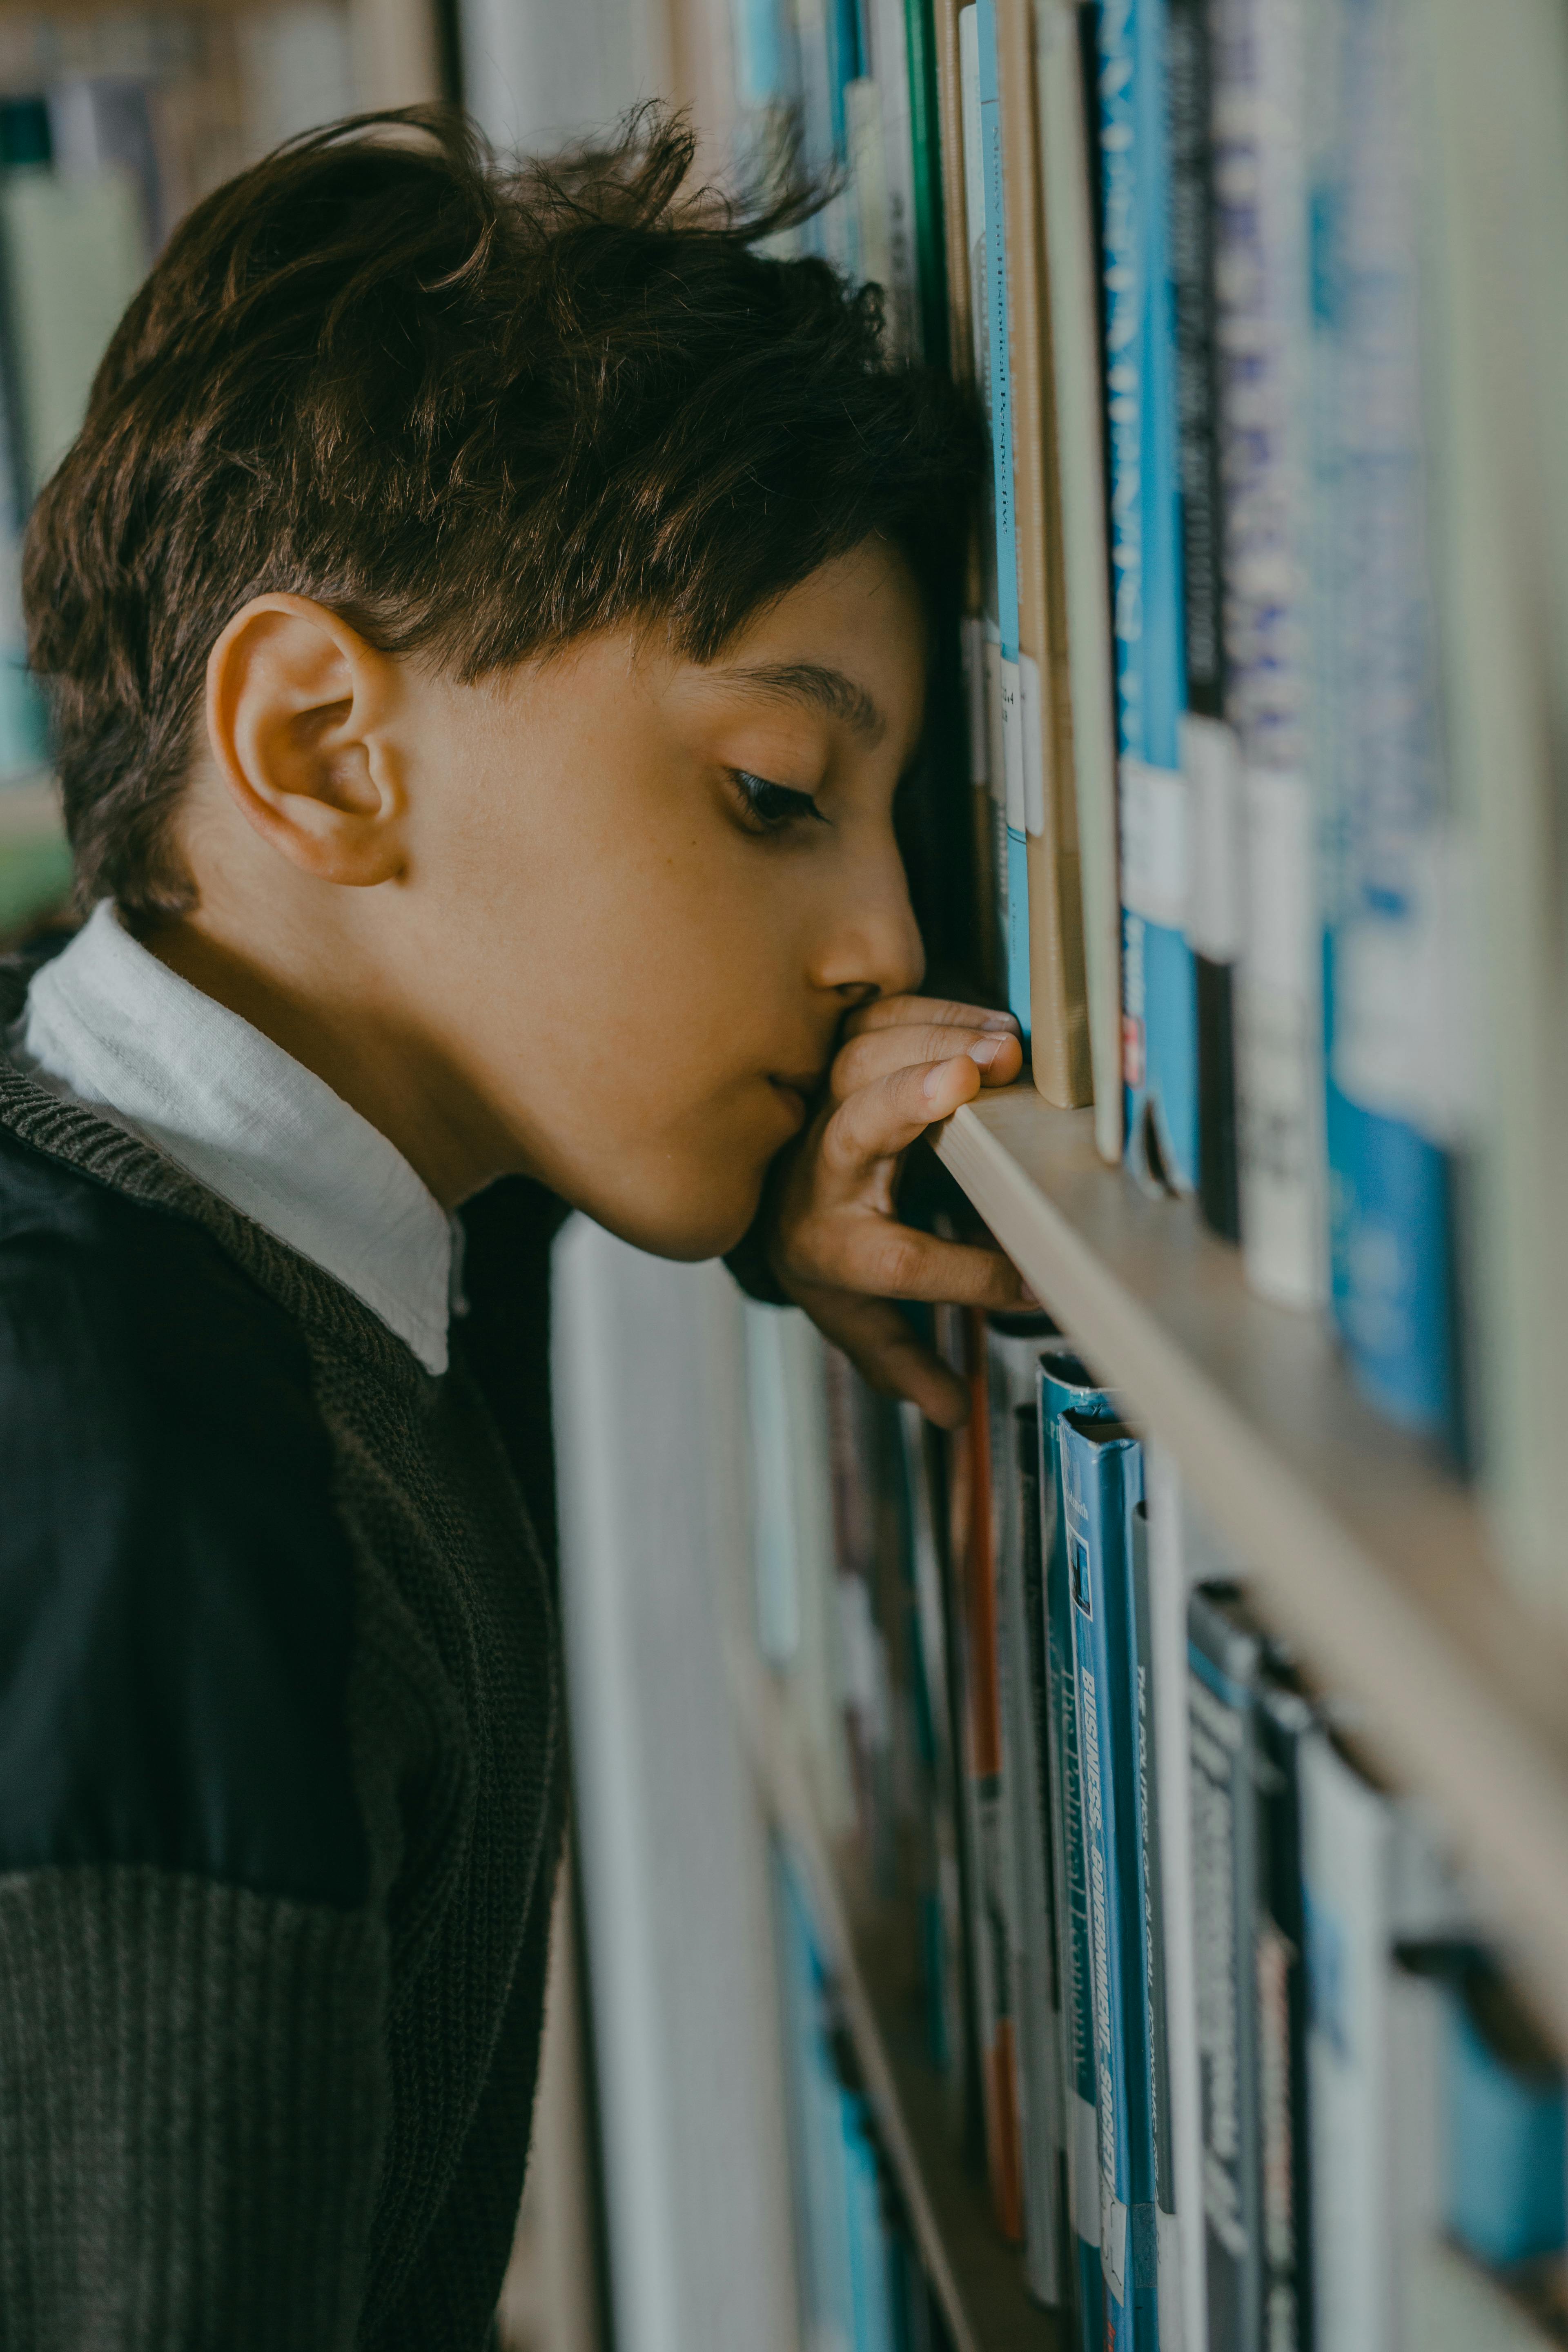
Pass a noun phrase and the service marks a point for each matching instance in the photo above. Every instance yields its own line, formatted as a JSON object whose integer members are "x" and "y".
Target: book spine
{"x": 991, "y": 1929}
{"x": 816, "y": 2126}
{"x": 1205, "y": 759}
{"x": 1159, "y": 993}
{"x": 1015, "y": 1449}
{"x": 1086, "y": 732}
{"x": 1170, "y": 1583}
{"x": 1066, "y": 1385}
{"x": 1221, "y": 1694}
{"x": 1100, "y": 1485}
{"x": 1057, "y": 1003}
{"x": 1262, "y": 331}
{"x": 1393, "y": 876}
{"x": 940, "y": 1897}
{"x": 928, "y": 227}
{"x": 1283, "y": 1721}
{"x": 888, "y": 67}
{"x": 1005, "y": 510}
{"x": 984, "y": 646}
{"x": 1150, "y": 1806}
{"x": 1345, "y": 1841}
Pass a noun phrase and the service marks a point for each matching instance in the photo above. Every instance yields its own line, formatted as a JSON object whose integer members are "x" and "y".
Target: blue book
{"x": 818, "y": 2145}
{"x": 870, "y": 2248}
{"x": 999, "y": 412}
{"x": 1101, "y": 1487}
{"x": 1067, "y": 1386}
{"x": 1389, "y": 867}
{"x": 1160, "y": 1046}
{"x": 1506, "y": 2125}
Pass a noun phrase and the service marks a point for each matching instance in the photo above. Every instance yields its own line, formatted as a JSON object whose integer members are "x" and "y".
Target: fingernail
{"x": 986, "y": 1050}
{"x": 1001, "y": 1020}
{"x": 934, "y": 1081}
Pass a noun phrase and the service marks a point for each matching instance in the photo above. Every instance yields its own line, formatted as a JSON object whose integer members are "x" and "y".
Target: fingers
{"x": 877, "y": 1053}
{"x": 925, "y": 1011}
{"x": 863, "y": 1252}
{"x": 878, "y": 1121}
{"x": 890, "y": 1359}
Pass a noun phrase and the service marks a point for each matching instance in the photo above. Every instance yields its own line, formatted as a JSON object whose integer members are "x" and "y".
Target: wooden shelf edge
{"x": 929, "y": 2173}
{"x": 1375, "y": 1560}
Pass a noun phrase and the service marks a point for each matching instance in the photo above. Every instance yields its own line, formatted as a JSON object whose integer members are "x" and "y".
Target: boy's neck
{"x": 391, "y": 1076}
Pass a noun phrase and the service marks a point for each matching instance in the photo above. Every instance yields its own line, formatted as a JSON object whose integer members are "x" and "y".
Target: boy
{"x": 485, "y": 618}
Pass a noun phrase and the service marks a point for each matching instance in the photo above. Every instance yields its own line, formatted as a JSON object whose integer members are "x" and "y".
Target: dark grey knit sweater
{"x": 279, "y": 1772}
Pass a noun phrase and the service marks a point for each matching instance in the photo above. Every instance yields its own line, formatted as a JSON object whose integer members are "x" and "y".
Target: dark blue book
{"x": 1067, "y": 1386}
{"x": 1101, "y": 1487}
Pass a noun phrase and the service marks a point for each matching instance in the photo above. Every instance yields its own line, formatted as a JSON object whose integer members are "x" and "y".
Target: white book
{"x": 1175, "y": 1566}
{"x": 1495, "y": 84}
{"x": 648, "y": 1375}
{"x": 1072, "y": 301}
{"x": 1347, "y": 1832}
{"x": 75, "y": 254}
{"x": 1261, "y": 332}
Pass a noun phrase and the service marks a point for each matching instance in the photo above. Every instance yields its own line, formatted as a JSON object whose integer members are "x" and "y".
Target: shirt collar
{"x": 108, "y": 1024}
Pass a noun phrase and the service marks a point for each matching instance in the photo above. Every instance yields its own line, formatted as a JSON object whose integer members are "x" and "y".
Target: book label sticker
{"x": 1032, "y": 704}
{"x": 1013, "y": 753}
{"x": 1155, "y": 843}
{"x": 1212, "y": 766}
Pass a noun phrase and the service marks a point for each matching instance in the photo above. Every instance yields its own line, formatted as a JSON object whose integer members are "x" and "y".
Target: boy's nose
{"x": 875, "y": 948}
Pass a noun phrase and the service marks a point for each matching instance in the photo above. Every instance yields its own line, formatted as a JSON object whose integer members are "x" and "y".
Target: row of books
{"x": 111, "y": 128}
{"x": 112, "y": 124}
{"x": 1225, "y": 684}
{"x": 862, "y": 2286}
{"x": 1217, "y": 2016}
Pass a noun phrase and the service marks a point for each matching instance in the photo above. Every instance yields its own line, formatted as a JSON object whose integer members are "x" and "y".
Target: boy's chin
{"x": 688, "y": 1229}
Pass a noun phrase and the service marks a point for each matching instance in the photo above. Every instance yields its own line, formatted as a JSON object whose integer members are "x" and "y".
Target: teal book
{"x": 1067, "y": 1386}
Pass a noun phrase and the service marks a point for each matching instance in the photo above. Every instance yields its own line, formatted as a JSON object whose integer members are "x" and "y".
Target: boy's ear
{"x": 297, "y": 711}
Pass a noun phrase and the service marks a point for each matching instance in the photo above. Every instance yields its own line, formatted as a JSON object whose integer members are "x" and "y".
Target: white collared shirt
{"x": 109, "y": 1025}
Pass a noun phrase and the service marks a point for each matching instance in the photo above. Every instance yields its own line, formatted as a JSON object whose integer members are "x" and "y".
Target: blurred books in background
{"x": 111, "y": 127}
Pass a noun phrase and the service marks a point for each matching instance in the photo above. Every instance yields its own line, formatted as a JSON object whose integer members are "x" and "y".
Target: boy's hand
{"x": 835, "y": 1243}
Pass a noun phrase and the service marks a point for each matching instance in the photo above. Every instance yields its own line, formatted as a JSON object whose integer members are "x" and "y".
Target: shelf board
{"x": 1374, "y": 1557}
{"x": 874, "y": 1954}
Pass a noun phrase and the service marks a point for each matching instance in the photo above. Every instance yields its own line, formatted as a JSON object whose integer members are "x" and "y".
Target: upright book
{"x": 1057, "y": 1005}
{"x": 1208, "y": 752}
{"x": 1067, "y": 1386}
{"x": 1101, "y": 1482}
{"x": 1261, "y": 276}
{"x": 1392, "y": 879}
{"x": 1158, "y": 981}
{"x": 1013, "y": 1345}
{"x": 1085, "y": 704}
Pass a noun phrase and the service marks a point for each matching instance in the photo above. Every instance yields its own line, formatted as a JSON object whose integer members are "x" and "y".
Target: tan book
{"x": 955, "y": 210}
{"x": 1058, "y": 1002}
{"x": 1079, "y": 577}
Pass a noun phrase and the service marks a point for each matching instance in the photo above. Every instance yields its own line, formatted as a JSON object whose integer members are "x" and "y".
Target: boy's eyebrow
{"x": 814, "y": 682}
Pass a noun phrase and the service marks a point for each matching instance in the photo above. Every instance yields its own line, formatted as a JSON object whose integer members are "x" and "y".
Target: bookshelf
{"x": 875, "y": 1952}
{"x": 1375, "y": 1557}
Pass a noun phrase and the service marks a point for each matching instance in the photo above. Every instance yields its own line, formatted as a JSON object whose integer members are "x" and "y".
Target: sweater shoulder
{"x": 176, "y": 1586}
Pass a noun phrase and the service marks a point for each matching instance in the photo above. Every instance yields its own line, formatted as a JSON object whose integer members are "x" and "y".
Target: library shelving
{"x": 1377, "y": 1557}
{"x": 874, "y": 1949}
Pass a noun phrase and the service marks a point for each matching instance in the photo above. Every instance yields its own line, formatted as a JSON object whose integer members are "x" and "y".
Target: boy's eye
{"x": 772, "y": 808}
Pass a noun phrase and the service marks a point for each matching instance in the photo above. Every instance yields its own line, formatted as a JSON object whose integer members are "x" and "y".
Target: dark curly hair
{"x": 478, "y": 410}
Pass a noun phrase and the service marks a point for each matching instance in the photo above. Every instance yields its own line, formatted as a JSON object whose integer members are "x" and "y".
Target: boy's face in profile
{"x": 655, "y": 888}
{"x": 611, "y": 907}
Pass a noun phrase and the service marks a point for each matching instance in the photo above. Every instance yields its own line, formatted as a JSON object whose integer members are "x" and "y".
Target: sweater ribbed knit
{"x": 280, "y": 1777}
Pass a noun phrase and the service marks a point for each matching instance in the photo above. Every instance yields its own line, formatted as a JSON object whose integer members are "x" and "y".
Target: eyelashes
{"x": 771, "y": 808}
